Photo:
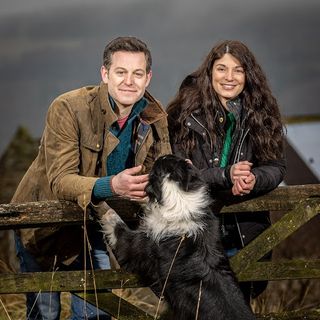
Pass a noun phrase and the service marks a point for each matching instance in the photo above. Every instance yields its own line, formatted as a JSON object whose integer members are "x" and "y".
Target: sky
{"x": 50, "y": 47}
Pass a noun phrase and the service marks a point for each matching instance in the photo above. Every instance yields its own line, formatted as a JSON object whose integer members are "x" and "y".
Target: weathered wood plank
{"x": 44, "y": 213}
{"x": 57, "y": 212}
{"x": 75, "y": 281}
{"x": 281, "y": 270}
{"x": 106, "y": 279}
{"x": 38, "y": 214}
{"x": 271, "y": 237}
{"x": 292, "y": 315}
{"x": 280, "y": 199}
{"x": 118, "y": 308}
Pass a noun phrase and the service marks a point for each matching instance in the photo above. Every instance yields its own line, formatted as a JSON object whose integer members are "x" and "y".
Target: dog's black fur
{"x": 179, "y": 206}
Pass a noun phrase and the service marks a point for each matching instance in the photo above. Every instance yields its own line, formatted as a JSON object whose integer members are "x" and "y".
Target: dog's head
{"x": 178, "y": 199}
{"x": 170, "y": 168}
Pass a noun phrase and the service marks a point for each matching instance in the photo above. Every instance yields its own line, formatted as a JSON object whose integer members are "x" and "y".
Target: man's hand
{"x": 130, "y": 185}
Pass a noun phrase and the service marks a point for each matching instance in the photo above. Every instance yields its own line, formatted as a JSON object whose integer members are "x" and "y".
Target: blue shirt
{"x": 122, "y": 157}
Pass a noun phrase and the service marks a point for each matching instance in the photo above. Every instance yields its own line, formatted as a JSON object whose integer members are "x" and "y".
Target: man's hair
{"x": 129, "y": 44}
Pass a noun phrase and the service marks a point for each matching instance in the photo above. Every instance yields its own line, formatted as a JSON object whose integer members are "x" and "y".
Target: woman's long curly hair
{"x": 261, "y": 108}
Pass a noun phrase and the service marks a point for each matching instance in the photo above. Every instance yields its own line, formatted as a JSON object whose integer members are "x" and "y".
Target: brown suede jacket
{"x": 72, "y": 155}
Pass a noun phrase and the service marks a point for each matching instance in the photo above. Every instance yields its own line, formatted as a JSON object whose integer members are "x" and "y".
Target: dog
{"x": 176, "y": 250}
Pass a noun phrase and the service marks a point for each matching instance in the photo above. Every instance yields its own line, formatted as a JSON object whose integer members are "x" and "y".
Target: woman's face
{"x": 228, "y": 78}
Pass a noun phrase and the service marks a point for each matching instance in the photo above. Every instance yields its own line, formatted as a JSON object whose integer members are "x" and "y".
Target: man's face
{"x": 127, "y": 78}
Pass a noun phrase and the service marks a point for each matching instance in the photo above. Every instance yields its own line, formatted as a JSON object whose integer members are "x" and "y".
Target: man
{"x": 98, "y": 141}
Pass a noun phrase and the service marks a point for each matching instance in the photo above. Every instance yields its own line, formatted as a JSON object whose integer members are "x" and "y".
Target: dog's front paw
{"x": 109, "y": 222}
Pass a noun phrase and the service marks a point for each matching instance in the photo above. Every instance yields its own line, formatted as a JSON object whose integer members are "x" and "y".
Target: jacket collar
{"x": 136, "y": 109}
{"x": 153, "y": 111}
{"x": 150, "y": 114}
{"x": 235, "y": 106}
{"x": 109, "y": 115}
{"x": 196, "y": 120}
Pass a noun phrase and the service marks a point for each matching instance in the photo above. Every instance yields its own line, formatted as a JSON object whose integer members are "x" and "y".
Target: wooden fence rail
{"x": 298, "y": 203}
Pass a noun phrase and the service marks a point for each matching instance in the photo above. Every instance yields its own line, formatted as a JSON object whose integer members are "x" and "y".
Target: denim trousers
{"x": 46, "y": 305}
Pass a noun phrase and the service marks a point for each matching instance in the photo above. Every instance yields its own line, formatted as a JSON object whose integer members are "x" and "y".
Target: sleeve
{"x": 269, "y": 175}
{"x": 216, "y": 177}
{"x": 62, "y": 155}
{"x": 102, "y": 189}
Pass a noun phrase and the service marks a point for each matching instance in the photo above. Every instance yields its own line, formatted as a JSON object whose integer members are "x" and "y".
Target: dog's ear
{"x": 175, "y": 169}
{"x": 194, "y": 181}
{"x": 187, "y": 176}
{"x": 153, "y": 190}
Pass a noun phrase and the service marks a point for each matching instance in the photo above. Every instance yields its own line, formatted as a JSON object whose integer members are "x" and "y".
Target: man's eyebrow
{"x": 140, "y": 70}
{"x": 123, "y": 68}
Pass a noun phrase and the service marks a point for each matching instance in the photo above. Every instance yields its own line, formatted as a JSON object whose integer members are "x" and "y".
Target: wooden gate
{"x": 298, "y": 203}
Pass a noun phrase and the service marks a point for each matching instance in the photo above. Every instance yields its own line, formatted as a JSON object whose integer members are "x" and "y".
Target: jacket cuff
{"x": 226, "y": 175}
{"x": 102, "y": 188}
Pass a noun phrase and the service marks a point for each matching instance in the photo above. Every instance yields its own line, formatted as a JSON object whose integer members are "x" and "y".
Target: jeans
{"x": 46, "y": 305}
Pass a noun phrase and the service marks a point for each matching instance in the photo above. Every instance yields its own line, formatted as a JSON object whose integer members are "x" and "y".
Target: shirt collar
{"x": 136, "y": 109}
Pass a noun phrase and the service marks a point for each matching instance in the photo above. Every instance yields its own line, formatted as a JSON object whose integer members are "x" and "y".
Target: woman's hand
{"x": 243, "y": 186}
{"x": 241, "y": 169}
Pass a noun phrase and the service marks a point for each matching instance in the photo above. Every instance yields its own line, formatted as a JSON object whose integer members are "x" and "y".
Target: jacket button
{"x": 210, "y": 160}
{"x": 188, "y": 124}
{"x": 221, "y": 119}
{"x": 203, "y": 133}
{"x": 98, "y": 145}
{"x": 216, "y": 160}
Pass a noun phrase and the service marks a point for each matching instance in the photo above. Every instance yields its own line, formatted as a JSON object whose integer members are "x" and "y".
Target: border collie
{"x": 176, "y": 250}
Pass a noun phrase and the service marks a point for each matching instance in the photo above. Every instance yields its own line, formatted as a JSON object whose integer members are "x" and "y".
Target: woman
{"x": 227, "y": 122}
